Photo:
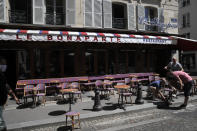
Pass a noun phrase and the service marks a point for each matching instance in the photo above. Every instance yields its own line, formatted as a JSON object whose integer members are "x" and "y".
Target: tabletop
{"x": 69, "y": 90}
{"x": 122, "y": 86}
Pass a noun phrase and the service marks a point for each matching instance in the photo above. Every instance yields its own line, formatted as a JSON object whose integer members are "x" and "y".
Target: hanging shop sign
{"x": 64, "y": 36}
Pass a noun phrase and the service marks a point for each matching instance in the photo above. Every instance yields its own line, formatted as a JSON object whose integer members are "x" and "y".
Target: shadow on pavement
{"x": 64, "y": 128}
{"x": 62, "y": 101}
{"x": 27, "y": 105}
{"x": 112, "y": 107}
{"x": 57, "y": 113}
{"x": 88, "y": 109}
{"x": 162, "y": 105}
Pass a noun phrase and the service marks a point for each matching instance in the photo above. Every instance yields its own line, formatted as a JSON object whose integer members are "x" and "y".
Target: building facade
{"x": 32, "y": 52}
{"x": 188, "y": 27}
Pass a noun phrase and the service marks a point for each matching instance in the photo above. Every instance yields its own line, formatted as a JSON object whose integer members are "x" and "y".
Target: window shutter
{"x": 98, "y": 13}
{"x": 141, "y": 15}
{"x": 38, "y": 12}
{"x": 160, "y": 18}
{"x": 70, "y": 12}
{"x": 107, "y": 16}
{"x": 2, "y": 11}
{"x": 88, "y": 13}
{"x": 131, "y": 17}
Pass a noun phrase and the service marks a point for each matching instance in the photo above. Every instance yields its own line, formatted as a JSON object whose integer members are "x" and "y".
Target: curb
{"x": 88, "y": 116}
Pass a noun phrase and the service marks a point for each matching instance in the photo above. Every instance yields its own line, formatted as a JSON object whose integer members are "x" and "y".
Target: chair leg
{"x": 126, "y": 99}
{"x": 73, "y": 122}
{"x": 66, "y": 120}
{"x": 131, "y": 99}
{"x": 79, "y": 122}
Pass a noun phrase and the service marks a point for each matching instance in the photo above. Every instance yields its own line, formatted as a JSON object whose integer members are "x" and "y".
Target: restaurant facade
{"x": 43, "y": 39}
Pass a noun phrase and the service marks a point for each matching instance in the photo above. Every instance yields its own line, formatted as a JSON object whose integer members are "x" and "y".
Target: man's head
{"x": 173, "y": 59}
{"x": 3, "y": 65}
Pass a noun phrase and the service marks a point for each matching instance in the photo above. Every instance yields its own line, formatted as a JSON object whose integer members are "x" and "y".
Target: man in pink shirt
{"x": 184, "y": 81}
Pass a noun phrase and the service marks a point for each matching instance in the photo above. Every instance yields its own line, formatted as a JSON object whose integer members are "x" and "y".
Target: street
{"x": 162, "y": 119}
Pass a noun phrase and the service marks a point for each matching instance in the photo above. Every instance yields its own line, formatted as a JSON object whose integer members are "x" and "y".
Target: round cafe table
{"x": 122, "y": 88}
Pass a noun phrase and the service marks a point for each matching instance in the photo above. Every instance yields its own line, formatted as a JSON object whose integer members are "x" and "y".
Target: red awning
{"x": 186, "y": 44}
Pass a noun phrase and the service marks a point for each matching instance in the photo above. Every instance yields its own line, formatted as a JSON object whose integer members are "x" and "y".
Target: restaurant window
{"x": 122, "y": 62}
{"x": 55, "y": 12}
{"x": 131, "y": 61}
{"x": 23, "y": 64}
{"x": 112, "y": 62}
{"x": 54, "y": 64}
{"x": 188, "y": 61}
{"x": 101, "y": 55}
{"x": 20, "y": 12}
{"x": 89, "y": 54}
{"x": 39, "y": 63}
{"x": 69, "y": 62}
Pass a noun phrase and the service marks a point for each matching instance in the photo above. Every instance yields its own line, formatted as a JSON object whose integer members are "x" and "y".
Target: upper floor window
{"x": 55, "y": 12}
{"x": 186, "y": 20}
{"x": 20, "y": 12}
{"x": 119, "y": 16}
{"x": 151, "y": 16}
{"x": 185, "y": 3}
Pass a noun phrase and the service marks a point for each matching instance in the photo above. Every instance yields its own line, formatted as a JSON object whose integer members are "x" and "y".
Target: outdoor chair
{"x": 41, "y": 92}
{"x": 75, "y": 85}
{"x": 124, "y": 93}
{"x": 134, "y": 85}
{"x": 108, "y": 88}
{"x": 63, "y": 86}
{"x": 99, "y": 84}
{"x": 28, "y": 93}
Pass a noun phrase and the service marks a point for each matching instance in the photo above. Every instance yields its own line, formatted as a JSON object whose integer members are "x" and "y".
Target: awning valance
{"x": 69, "y": 36}
{"x": 186, "y": 44}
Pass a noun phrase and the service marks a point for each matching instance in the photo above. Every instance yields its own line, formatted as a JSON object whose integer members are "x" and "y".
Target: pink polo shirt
{"x": 183, "y": 76}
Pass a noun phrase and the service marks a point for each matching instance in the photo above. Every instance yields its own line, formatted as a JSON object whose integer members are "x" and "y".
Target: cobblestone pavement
{"x": 163, "y": 119}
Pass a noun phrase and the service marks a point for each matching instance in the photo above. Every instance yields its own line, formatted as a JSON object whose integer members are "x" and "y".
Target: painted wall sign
{"x": 156, "y": 22}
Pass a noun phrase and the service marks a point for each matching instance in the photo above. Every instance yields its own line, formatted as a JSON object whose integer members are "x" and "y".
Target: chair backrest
{"x": 98, "y": 83}
{"x": 28, "y": 89}
{"x": 106, "y": 81}
{"x": 40, "y": 87}
{"x": 64, "y": 85}
{"x": 127, "y": 80}
{"x": 74, "y": 85}
{"x": 120, "y": 83}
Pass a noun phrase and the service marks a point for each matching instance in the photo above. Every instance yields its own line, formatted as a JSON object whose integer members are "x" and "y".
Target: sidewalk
{"x": 18, "y": 118}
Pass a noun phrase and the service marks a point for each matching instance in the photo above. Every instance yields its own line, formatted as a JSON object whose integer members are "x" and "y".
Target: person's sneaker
{"x": 173, "y": 95}
{"x": 183, "y": 106}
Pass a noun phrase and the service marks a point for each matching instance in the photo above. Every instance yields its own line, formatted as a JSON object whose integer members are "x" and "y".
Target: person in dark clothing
{"x": 3, "y": 93}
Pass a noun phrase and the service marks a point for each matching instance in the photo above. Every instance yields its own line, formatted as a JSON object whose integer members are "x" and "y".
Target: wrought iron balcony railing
{"x": 19, "y": 16}
{"x": 119, "y": 23}
{"x": 55, "y": 18}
